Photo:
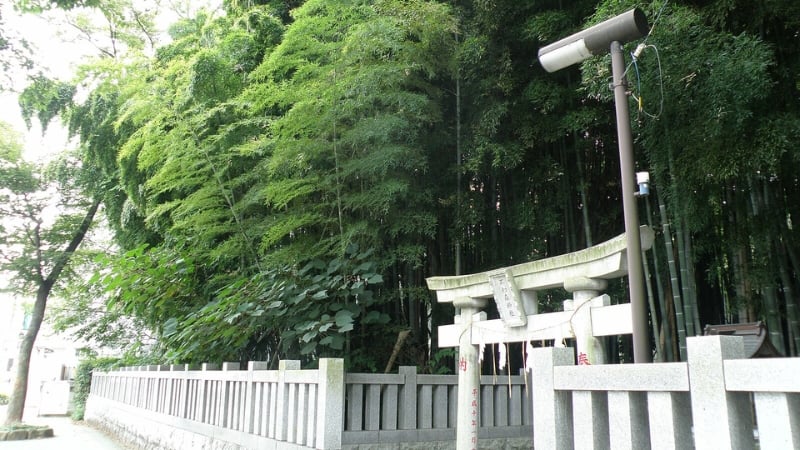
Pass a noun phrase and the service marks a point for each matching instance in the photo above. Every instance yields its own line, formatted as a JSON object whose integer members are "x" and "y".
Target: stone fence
{"x": 212, "y": 407}
{"x": 716, "y": 400}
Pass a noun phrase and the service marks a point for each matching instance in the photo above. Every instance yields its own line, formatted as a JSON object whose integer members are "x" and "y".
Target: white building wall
{"x": 53, "y": 359}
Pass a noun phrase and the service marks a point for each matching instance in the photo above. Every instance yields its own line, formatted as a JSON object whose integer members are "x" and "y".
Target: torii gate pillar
{"x": 469, "y": 376}
{"x": 586, "y": 292}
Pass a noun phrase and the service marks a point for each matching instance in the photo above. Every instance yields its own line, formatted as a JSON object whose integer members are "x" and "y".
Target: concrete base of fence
{"x": 437, "y": 438}
{"x": 155, "y": 431}
{"x": 483, "y": 444}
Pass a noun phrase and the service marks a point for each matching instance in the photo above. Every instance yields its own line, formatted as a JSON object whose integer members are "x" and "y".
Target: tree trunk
{"x": 651, "y": 303}
{"x": 691, "y": 281}
{"x": 666, "y": 330}
{"x": 689, "y": 307}
{"x": 492, "y": 216}
{"x": 413, "y": 305}
{"x": 759, "y": 200}
{"x": 773, "y": 317}
{"x": 569, "y": 214}
{"x": 790, "y": 265}
{"x": 683, "y": 261}
{"x": 680, "y": 320}
{"x": 458, "y": 231}
{"x": 739, "y": 265}
{"x": 651, "y": 300}
{"x": 587, "y": 224}
{"x": 672, "y": 325}
{"x": 16, "y": 405}
{"x": 791, "y": 309}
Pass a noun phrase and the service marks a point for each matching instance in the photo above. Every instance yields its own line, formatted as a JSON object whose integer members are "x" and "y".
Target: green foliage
{"x": 713, "y": 78}
{"x": 346, "y": 287}
{"x": 32, "y": 248}
{"x": 82, "y": 383}
{"x": 15, "y": 57}
{"x": 242, "y": 165}
{"x": 309, "y": 312}
{"x": 44, "y": 5}
{"x": 47, "y": 216}
{"x": 177, "y": 165}
{"x": 356, "y": 99}
{"x": 16, "y": 175}
{"x": 82, "y": 312}
{"x": 45, "y": 99}
{"x": 443, "y": 362}
{"x": 149, "y": 285}
{"x": 3, "y": 399}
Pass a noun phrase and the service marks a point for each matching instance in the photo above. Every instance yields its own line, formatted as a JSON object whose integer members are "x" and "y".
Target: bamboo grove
{"x": 280, "y": 179}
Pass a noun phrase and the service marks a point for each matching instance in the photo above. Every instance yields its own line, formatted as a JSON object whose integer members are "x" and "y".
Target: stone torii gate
{"x": 586, "y": 317}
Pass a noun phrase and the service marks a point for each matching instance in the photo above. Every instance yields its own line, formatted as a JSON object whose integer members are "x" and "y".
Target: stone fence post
{"x": 282, "y": 418}
{"x": 204, "y": 399}
{"x": 226, "y": 415}
{"x": 330, "y": 403}
{"x": 552, "y": 409}
{"x": 407, "y": 408}
{"x": 252, "y": 412}
{"x": 722, "y": 419}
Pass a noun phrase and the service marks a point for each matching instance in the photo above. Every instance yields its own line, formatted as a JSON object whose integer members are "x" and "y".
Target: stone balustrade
{"x": 704, "y": 403}
{"x": 219, "y": 406}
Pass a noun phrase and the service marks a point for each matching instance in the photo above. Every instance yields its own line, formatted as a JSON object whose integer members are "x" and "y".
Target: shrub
{"x": 83, "y": 382}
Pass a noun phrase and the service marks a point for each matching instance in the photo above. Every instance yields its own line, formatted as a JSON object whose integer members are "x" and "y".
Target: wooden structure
{"x": 754, "y": 334}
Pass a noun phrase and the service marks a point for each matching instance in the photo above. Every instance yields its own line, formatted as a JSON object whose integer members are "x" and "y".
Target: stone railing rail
{"x": 181, "y": 407}
{"x": 704, "y": 403}
{"x": 408, "y": 407}
{"x": 211, "y": 406}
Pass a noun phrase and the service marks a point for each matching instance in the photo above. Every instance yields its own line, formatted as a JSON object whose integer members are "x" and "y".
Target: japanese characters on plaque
{"x": 508, "y": 299}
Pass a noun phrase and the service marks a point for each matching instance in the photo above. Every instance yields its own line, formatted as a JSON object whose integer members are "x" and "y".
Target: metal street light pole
{"x": 572, "y": 50}
{"x": 641, "y": 343}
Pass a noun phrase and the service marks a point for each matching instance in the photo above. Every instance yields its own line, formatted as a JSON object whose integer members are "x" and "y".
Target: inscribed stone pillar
{"x": 468, "y": 377}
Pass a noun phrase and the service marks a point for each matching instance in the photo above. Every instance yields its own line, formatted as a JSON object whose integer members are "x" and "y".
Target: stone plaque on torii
{"x": 588, "y": 316}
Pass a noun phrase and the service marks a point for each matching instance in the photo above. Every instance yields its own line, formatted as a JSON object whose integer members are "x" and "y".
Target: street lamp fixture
{"x": 596, "y": 40}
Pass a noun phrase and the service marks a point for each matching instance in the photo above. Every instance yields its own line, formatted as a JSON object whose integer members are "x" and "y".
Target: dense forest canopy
{"x": 281, "y": 178}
